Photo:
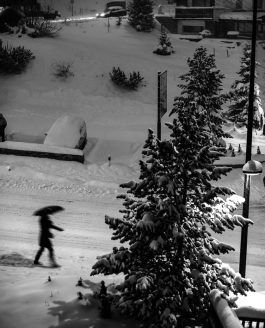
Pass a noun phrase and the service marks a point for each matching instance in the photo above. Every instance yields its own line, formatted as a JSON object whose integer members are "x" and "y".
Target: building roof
{"x": 240, "y": 15}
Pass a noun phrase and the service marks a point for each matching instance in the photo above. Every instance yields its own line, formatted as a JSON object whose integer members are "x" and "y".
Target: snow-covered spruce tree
{"x": 140, "y": 15}
{"x": 169, "y": 258}
{"x": 164, "y": 47}
{"x": 203, "y": 85}
{"x": 239, "y": 95}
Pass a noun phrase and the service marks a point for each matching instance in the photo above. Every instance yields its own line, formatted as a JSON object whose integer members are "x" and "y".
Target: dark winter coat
{"x": 3, "y": 122}
{"x": 45, "y": 234}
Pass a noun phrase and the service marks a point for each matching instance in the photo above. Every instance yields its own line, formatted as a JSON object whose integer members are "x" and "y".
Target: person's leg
{"x": 51, "y": 256}
{"x": 2, "y": 135}
{"x": 38, "y": 255}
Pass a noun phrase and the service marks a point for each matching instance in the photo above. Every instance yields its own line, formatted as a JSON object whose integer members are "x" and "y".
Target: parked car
{"x": 67, "y": 131}
{"x": 205, "y": 33}
{"x": 115, "y": 11}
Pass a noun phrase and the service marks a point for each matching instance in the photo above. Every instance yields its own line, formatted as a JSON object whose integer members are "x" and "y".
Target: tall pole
{"x": 72, "y": 6}
{"x": 158, "y": 107}
{"x": 244, "y": 231}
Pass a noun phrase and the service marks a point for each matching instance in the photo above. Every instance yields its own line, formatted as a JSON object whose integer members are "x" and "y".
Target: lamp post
{"x": 248, "y": 173}
{"x": 249, "y": 169}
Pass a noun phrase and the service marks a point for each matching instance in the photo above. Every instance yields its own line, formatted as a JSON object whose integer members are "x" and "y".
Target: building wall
{"x": 232, "y": 4}
{"x": 190, "y": 26}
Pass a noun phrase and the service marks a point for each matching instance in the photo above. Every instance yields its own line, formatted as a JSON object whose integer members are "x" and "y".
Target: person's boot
{"x": 37, "y": 257}
{"x": 55, "y": 265}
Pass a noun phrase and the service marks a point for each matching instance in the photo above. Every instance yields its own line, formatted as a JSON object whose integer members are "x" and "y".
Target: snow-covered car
{"x": 205, "y": 33}
{"x": 115, "y": 11}
{"x": 232, "y": 34}
{"x": 67, "y": 131}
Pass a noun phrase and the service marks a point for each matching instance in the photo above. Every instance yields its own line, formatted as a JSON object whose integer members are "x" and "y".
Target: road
{"x": 87, "y": 236}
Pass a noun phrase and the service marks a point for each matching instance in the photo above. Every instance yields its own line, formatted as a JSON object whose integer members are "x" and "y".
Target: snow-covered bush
{"x": 170, "y": 259}
{"x": 164, "y": 47}
{"x": 119, "y": 78}
{"x": 140, "y": 15}
{"x": 14, "y": 60}
{"x": 239, "y": 95}
{"x": 62, "y": 69}
{"x": 44, "y": 28}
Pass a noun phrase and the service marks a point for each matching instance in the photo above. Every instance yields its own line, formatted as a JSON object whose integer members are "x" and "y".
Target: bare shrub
{"x": 44, "y": 28}
{"x": 14, "y": 60}
{"x": 62, "y": 69}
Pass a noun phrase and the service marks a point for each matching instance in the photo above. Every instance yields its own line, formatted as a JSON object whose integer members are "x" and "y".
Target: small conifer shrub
{"x": 119, "y": 78}
{"x": 164, "y": 47}
{"x": 14, "y": 60}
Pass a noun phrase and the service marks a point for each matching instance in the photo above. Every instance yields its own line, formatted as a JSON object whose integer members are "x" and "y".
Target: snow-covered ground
{"x": 117, "y": 123}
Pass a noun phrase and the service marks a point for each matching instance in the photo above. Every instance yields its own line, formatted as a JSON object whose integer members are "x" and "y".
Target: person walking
{"x": 3, "y": 124}
{"x": 44, "y": 239}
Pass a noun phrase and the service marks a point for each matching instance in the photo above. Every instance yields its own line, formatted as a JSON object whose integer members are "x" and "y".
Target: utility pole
{"x": 72, "y": 6}
{"x": 244, "y": 231}
{"x": 161, "y": 99}
{"x": 158, "y": 107}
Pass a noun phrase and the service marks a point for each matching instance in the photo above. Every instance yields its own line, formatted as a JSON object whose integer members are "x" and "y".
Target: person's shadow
{"x": 86, "y": 314}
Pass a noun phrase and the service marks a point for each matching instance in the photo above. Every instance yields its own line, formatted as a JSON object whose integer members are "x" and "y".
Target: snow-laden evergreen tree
{"x": 239, "y": 95}
{"x": 203, "y": 85}
{"x": 140, "y": 15}
{"x": 164, "y": 47}
{"x": 170, "y": 258}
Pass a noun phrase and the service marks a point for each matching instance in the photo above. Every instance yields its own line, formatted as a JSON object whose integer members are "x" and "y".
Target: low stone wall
{"x": 40, "y": 150}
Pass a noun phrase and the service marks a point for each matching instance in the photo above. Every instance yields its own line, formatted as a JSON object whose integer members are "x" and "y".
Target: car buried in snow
{"x": 205, "y": 33}
{"x": 67, "y": 131}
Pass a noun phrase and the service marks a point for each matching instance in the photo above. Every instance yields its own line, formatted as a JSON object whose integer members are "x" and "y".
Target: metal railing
{"x": 249, "y": 322}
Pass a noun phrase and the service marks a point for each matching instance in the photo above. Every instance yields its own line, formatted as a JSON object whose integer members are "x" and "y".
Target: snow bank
{"x": 53, "y": 303}
{"x": 238, "y": 161}
{"x": 252, "y": 305}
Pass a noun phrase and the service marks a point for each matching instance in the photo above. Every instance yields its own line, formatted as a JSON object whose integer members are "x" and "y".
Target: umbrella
{"x": 48, "y": 210}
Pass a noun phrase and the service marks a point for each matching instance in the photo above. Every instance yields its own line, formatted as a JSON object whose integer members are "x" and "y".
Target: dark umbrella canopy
{"x": 48, "y": 210}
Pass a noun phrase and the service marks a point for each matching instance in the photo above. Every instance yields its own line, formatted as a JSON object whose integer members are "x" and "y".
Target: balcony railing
{"x": 222, "y": 316}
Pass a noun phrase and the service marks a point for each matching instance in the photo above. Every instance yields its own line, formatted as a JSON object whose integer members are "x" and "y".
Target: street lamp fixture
{"x": 252, "y": 168}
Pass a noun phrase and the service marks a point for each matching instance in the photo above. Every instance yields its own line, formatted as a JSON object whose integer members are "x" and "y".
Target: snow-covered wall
{"x": 40, "y": 150}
